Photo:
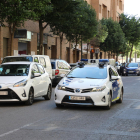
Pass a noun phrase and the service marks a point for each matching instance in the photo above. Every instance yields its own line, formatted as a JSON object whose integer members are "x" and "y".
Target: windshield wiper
{"x": 71, "y": 77}
{"x": 90, "y": 78}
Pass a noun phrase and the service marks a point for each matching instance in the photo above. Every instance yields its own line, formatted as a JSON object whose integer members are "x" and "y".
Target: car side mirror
{"x": 37, "y": 74}
{"x": 114, "y": 77}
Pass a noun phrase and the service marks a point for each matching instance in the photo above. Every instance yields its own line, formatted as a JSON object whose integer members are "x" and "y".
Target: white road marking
{"x": 15, "y": 130}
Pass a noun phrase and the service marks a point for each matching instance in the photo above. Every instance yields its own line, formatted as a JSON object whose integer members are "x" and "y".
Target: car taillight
{"x": 56, "y": 72}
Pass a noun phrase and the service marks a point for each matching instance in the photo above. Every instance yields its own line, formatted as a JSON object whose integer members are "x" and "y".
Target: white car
{"x": 23, "y": 81}
{"x": 91, "y": 85}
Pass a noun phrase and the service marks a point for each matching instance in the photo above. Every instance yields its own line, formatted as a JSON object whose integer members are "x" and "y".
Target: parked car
{"x": 90, "y": 85}
{"x": 123, "y": 69}
{"x": 117, "y": 67}
{"x": 59, "y": 68}
{"x": 42, "y": 59}
{"x": 24, "y": 81}
{"x": 133, "y": 68}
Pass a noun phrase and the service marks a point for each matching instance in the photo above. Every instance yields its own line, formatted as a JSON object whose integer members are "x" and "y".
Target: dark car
{"x": 123, "y": 69}
{"x": 133, "y": 68}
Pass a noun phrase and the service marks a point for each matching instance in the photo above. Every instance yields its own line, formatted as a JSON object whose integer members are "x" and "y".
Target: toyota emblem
{"x": 77, "y": 90}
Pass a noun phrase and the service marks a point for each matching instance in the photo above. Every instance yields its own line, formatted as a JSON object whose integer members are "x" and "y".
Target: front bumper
{"x": 92, "y": 98}
{"x": 14, "y": 94}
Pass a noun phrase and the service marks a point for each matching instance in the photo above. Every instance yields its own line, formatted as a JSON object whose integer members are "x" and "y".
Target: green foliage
{"x": 131, "y": 28}
{"x": 115, "y": 40}
{"x": 102, "y": 33}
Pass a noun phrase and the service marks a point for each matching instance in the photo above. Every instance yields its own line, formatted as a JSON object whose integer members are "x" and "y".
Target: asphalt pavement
{"x": 43, "y": 121}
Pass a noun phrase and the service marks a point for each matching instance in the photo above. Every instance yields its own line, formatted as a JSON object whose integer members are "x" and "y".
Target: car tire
{"x": 30, "y": 97}
{"x": 109, "y": 102}
{"x": 59, "y": 105}
{"x": 121, "y": 97}
{"x": 49, "y": 93}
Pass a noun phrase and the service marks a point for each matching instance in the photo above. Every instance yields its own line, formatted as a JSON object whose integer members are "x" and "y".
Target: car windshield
{"x": 89, "y": 72}
{"x": 132, "y": 65}
{"x": 14, "y": 70}
{"x": 14, "y": 59}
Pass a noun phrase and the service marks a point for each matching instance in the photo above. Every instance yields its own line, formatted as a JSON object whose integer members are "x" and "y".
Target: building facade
{"x": 29, "y": 36}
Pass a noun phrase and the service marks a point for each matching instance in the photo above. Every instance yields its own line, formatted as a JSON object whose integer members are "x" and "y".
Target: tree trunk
{"x": 41, "y": 29}
{"x": 61, "y": 39}
{"x": 127, "y": 58}
{"x": 87, "y": 50}
{"x": 131, "y": 53}
{"x": 12, "y": 31}
{"x": 76, "y": 50}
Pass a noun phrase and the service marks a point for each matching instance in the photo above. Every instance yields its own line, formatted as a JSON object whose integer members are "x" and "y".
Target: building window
{"x": 108, "y": 14}
{"x": 120, "y": 5}
{"x": 104, "y": 12}
{"x": 100, "y": 8}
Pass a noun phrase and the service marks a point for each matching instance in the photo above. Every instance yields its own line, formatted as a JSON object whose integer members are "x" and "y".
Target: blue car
{"x": 133, "y": 68}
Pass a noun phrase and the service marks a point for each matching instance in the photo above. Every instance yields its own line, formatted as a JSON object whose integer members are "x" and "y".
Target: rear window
{"x": 132, "y": 65}
{"x": 53, "y": 65}
{"x": 14, "y": 59}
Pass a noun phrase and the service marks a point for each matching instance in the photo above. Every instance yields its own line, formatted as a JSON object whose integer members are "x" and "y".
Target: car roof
{"x": 18, "y": 62}
{"x": 53, "y": 60}
{"x": 27, "y": 56}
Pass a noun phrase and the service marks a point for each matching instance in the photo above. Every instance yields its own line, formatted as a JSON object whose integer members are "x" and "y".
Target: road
{"x": 43, "y": 121}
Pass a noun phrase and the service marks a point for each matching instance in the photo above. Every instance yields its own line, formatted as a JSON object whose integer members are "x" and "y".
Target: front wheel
{"x": 49, "y": 93}
{"x": 30, "y": 98}
{"x": 109, "y": 102}
{"x": 121, "y": 98}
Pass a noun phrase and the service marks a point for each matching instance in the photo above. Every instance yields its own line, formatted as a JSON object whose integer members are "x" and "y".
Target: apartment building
{"x": 26, "y": 40}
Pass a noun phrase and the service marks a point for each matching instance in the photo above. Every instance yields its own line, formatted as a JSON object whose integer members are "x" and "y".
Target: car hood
{"x": 82, "y": 83}
{"x": 131, "y": 68}
{"x": 10, "y": 80}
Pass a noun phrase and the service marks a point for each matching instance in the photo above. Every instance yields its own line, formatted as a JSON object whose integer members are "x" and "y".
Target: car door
{"x": 36, "y": 81}
{"x": 44, "y": 80}
{"x": 115, "y": 83}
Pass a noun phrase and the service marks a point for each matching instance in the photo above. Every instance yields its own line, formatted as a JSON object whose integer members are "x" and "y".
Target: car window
{"x": 42, "y": 61}
{"x": 113, "y": 72}
{"x": 67, "y": 66}
{"x": 132, "y": 65}
{"x": 34, "y": 70}
{"x": 60, "y": 64}
{"x": 36, "y": 60}
{"x": 88, "y": 72}
{"x": 14, "y": 59}
{"x": 41, "y": 69}
{"x": 14, "y": 70}
{"x": 53, "y": 65}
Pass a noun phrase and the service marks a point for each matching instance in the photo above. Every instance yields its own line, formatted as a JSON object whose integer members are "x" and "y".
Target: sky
{"x": 132, "y": 7}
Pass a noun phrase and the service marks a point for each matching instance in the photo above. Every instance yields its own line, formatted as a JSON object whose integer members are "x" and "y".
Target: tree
{"x": 115, "y": 40}
{"x": 60, "y": 16}
{"x": 15, "y": 12}
{"x": 131, "y": 28}
{"x": 102, "y": 33}
{"x": 83, "y": 24}
{"x": 40, "y": 10}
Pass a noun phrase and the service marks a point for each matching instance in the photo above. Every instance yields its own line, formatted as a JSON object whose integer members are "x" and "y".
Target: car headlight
{"x": 21, "y": 83}
{"x": 61, "y": 87}
{"x": 98, "y": 89}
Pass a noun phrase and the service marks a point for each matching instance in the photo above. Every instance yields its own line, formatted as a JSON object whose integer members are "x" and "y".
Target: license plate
{"x": 3, "y": 92}
{"x": 131, "y": 71}
{"x": 77, "y": 98}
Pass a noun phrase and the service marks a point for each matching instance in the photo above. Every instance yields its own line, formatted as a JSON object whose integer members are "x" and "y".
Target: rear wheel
{"x": 109, "y": 102}
{"x": 30, "y": 97}
{"x": 121, "y": 97}
{"x": 49, "y": 93}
